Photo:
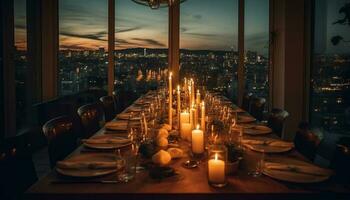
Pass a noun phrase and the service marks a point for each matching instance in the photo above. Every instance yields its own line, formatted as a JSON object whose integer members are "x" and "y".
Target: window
{"x": 330, "y": 73}
{"x": 21, "y": 63}
{"x": 208, "y": 44}
{"x": 256, "y": 41}
{"x": 83, "y": 28}
{"x": 141, "y": 49}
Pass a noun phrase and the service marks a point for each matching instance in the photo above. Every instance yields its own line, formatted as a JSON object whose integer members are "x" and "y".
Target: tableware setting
{"x": 106, "y": 142}
{"x": 257, "y": 130}
{"x": 268, "y": 145}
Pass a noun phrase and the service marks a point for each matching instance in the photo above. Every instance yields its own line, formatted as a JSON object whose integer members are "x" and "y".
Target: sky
{"x": 204, "y": 24}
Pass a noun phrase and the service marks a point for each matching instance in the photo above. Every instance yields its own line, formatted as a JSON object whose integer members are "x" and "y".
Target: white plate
{"x": 106, "y": 146}
{"x": 295, "y": 177}
{"x": 258, "y": 130}
{"x": 89, "y": 172}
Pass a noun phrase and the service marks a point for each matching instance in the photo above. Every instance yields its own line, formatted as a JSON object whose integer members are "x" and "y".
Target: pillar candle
{"x": 186, "y": 131}
{"x": 197, "y": 141}
{"x": 185, "y": 122}
{"x": 203, "y": 116}
{"x": 170, "y": 100}
{"x": 216, "y": 170}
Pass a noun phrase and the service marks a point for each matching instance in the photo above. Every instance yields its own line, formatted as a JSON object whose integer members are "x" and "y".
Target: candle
{"x": 193, "y": 91}
{"x": 192, "y": 116}
{"x": 197, "y": 141}
{"x": 189, "y": 95}
{"x": 203, "y": 116}
{"x": 178, "y": 106}
{"x": 216, "y": 170}
{"x": 195, "y": 115}
{"x": 170, "y": 100}
{"x": 186, "y": 131}
{"x": 185, "y": 124}
{"x": 198, "y": 97}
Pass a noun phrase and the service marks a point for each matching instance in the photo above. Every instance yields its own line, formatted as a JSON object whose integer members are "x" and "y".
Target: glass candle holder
{"x": 217, "y": 159}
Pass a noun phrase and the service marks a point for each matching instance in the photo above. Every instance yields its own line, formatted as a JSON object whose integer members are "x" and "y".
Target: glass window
{"x": 21, "y": 62}
{"x": 330, "y": 73}
{"x": 256, "y": 41}
{"x": 141, "y": 48}
{"x": 83, "y": 28}
{"x": 208, "y": 44}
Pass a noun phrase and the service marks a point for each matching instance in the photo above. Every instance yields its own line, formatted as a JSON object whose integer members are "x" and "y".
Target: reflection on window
{"x": 330, "y": 74}
{"x": 256, "y": 40}
{"x": 141, "y": 53}
{"x": 208, "y": 44}
{"x": 20, "y": 61}
{"x": 83, "y": 27}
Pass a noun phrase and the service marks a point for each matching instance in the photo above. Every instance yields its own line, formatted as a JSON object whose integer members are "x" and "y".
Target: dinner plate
{"x": 85, "y": 173}
{"x": 295, "y": 176}
{"x": 126, "y": 116}
{"x": 120, "y": 125}
{"x": 107, "y": 145}
{"x": 258, "y": 130}
{"x": 268, "y": 148}
{"x": 134, "y": 109}
{"x": 245, "y": 119}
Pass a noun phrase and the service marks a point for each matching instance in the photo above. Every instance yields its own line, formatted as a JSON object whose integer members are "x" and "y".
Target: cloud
{"x": 126, "y": 29}
{"x": 183, "y": 29}
{"x": 197, "y": 17}
{"x": 201, "y": 35}
{"x": 150, "y": 41}
{"x": 95, "y": 36}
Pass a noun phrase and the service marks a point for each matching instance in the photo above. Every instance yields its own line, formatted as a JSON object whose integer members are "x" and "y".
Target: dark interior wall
{"x": 1, "y": 75}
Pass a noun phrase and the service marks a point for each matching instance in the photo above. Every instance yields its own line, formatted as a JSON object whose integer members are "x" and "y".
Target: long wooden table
{"x": 191, "y": 184}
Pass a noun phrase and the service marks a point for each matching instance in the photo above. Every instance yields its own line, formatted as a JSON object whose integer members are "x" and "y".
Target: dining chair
{"x": 341, "y": 161}
{"x": 109, "y": 107}
{"x": 306, "y": 141}
{"x": 326, "y": 150}
{"x": 276, "y": 120}
{"x": 257, "y": 106}
{"x": 61, "y": 134}
{"x": 91, "y": 118}
{"x": 17, "y": 169}
{"x": 246, "y": 101}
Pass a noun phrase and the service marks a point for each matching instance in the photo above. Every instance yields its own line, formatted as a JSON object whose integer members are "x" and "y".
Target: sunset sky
{"x": 204, "y": 24}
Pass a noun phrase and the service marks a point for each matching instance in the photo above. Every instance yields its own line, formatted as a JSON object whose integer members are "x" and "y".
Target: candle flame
{"x": 197, "y": 127}
{"x": 170, "y": 75}
{"x": 178, "y": 87}
{"x": 216, "y": 156}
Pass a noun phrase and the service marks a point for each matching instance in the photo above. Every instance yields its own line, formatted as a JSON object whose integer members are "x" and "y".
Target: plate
{"x": 106, "y": 146}
{"x": 258, "y": 130}
{"x": 85, "y": 173}
{"x": 268, "y": 148}
{"x": 125, "y": 116}
{"x": 245, "y": 119}
{"x": 296, "y": 177}
{"x": 120, "y": 125}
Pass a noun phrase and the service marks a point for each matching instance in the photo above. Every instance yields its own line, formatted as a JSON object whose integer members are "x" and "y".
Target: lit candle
{"x": 198, "y": 97}
{"x": 216, "y": 170}
{"x": 189, "y": 95}
{"x": 203, "y": 116}
{"x": 185, "y": 124}
{"x": 178, "y": 106}
{"x": 197, "y": 141}
{"x": 192, "y": 116}
{"x": 193, "y": 91}
{"x": 195, "y": 114}
{"x": 170, "y": 100}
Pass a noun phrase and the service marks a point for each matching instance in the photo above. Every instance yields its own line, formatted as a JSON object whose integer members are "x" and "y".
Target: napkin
{"x": 304, "y": 169}
{"x": 127, "y": 116}
{"x": 280, "y": 144}
{"x": 117, "y": 125}
{"x": 86, "y": 165}
{"x": 106, "y": 140}
{"x": 273, "y": 143}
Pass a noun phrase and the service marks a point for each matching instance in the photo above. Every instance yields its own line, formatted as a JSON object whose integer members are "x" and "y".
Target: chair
{"x": 61, "y": 133}
{"x": 306, "y": 141}
{"x": 276, "y": 120}
{"x": 341, "y": 162}
{"x": 109, "y": 107}
{"x": 91, "y": 118}
{"x": 326, "y": 150}
{"x": 257, "y": 106}
{"x": 17, "y": 169}
{"x": 246, "y": 101}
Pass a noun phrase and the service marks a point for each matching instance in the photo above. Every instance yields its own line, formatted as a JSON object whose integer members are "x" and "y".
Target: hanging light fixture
{"x": 155, "y": 4}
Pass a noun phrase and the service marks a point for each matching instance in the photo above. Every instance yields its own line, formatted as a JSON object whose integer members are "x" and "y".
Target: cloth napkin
{"x": 106, "y": 140}
{"x": 127, "y": 115}
{"x": 303, "y": 169}
{"x": 117, "y": 125}
{"x": 86, "y": 165}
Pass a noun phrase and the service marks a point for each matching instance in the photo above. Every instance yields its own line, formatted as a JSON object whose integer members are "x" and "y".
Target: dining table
{"x": 188, "y": 184}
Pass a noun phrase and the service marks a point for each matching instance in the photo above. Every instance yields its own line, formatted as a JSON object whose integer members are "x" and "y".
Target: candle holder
{"x": 217, "y": 159}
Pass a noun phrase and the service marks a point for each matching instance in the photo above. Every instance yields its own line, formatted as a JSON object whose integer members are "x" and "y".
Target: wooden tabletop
{"x": 190, "y": 184}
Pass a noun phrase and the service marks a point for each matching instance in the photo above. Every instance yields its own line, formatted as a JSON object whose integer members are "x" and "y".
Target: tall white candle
{"x": 192, "y": 116}
{"x": 198, "y": 97}
{"x": 185, "y": 124}
{"x": 170, "y": 99}
{"x": 216, "y": 170}
{"x": 178, "y": 106}
{"x": 197, "y": 141}
{"x": 203, "y": 116}
{"x": 193, "y": 92}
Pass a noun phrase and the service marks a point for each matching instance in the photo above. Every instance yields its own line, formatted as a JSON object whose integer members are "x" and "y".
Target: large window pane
{"x": 330, "y": 74}
{"x": 256, "y": 40}
{"x": 141, "y": 48}
{"x": 21, "y": 62}
{"x": 83, "y": 27}
{"x": 208, "y": 44}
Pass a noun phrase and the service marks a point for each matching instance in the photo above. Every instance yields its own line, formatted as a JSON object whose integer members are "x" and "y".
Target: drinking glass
{"x": 259, "y": 167}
